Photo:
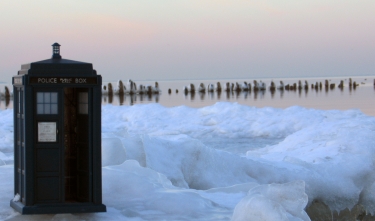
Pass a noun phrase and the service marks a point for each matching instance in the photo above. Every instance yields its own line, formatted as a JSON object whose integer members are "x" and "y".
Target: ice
{"x": 142, "y": 192}
{"x": 6, "y": 131}
{"x": 273, "y": 202}
{"x": 114, "y": 152}
{"x": 16, "y": 198}
{"x": 221, "y": 162}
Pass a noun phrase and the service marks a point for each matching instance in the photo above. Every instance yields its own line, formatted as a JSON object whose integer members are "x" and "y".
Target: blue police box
{"x": 57, "y": 137}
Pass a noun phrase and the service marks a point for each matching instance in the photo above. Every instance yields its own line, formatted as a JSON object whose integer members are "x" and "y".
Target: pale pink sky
{"x": 170, "y": 39}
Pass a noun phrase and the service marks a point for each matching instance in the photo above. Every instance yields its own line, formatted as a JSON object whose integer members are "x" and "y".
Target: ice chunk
{"x": 16, "y": 198}
{"x": 259, "y": 208}
{"x": 113, "y": 152}
{"x": 145, "y": 193}
{"x": 273, "y": 202}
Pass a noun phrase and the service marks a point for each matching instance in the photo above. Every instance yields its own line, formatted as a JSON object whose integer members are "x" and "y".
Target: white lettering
{"x": 81, "y": 80}
{"x": 47, "y": 80}
{"x": 18, "y": 80}
{"x": 65, "y": 80}
{"x": 58, "y": 80}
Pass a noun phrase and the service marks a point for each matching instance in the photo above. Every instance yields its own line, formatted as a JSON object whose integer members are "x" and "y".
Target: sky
{"x": 193, "y": 39}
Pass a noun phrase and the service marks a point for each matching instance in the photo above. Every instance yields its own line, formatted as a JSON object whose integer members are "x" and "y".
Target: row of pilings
{"x": 261, "y": 86}
{"x": 130, "y": 88}
{"x": 6, "y": 95}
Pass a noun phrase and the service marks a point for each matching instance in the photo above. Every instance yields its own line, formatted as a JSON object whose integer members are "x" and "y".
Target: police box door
{"x": 62, "y": 145}
{"x": 77, "y": 154}
{"x": 48, "y": 151}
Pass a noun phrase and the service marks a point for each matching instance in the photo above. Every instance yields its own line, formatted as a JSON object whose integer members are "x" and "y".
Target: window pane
{"x": 39, "y": 97}
{"x": 83, "y": 109}
{"x": 54, "y": 98}
{"x": 54, "y": 109}
{"x": 39, "y": 109}
{"x": 47, "y": 108}
{"x": 47, "y": 102}
{"x": 83, "y": 97}
{"x": 47, "y": 97}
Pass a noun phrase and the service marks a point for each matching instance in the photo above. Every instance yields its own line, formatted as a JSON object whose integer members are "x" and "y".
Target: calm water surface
{"x": 340, "y": 99}
{"x": 362, "y": 97}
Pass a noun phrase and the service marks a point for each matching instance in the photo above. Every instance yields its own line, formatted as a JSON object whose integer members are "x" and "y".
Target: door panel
{"x": 70, "y": 140}
{"x": 48, "y": 151}
{"x": 77, "y": 154}
{"x": 46, "y": 159}
{"x": 48, "y": 189}
{"x": 63, "y": 157}
{"x": 84, "y": 155}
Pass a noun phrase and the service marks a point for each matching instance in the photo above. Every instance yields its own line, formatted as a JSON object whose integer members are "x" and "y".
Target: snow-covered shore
{"x": 222, "y": 162}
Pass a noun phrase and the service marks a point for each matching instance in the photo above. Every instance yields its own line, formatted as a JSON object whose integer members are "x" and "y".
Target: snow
{"x": 273, "y": 202}
{"x": 221, "y": 162}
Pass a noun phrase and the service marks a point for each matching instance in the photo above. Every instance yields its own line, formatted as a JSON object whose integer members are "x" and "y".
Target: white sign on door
{"x": 46, "y": 131}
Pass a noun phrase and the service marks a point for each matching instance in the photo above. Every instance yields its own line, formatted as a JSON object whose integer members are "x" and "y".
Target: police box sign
{"x": 17, "y": 80}
{"x": 63, "y": 80}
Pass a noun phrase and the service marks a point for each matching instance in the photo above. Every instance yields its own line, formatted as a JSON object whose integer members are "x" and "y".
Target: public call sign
{"x": 63, "y": 80}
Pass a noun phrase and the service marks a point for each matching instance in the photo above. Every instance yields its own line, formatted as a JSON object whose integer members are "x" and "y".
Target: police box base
{"x": 58, "y": 208}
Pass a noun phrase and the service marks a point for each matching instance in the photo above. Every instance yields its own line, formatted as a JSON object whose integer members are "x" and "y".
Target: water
{"x": 340, "y": 99}
{"x": 360, "y": 98}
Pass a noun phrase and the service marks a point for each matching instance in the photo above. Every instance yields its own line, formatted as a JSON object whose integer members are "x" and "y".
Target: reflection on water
{"x": 129, "y": 99}
{"x": 327, "y": 94}
{"x": 192, "y": 94}
{"x": 6, "y": 102}
{"x": 335, "y": 93}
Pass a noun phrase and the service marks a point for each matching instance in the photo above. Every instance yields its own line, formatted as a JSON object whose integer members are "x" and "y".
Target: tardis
{"x": 57, "y": 137}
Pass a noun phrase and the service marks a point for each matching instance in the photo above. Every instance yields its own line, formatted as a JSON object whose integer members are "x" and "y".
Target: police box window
{"x": 46, "y": 103}
{"x": 83, "y": 100}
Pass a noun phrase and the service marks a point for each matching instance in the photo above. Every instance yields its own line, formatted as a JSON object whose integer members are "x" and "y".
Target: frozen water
{"x": 221, "y": 162}
{"x": 239, "y": 145}
{"x": 114, "y": 152}
{"x": 273, "y": 202}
